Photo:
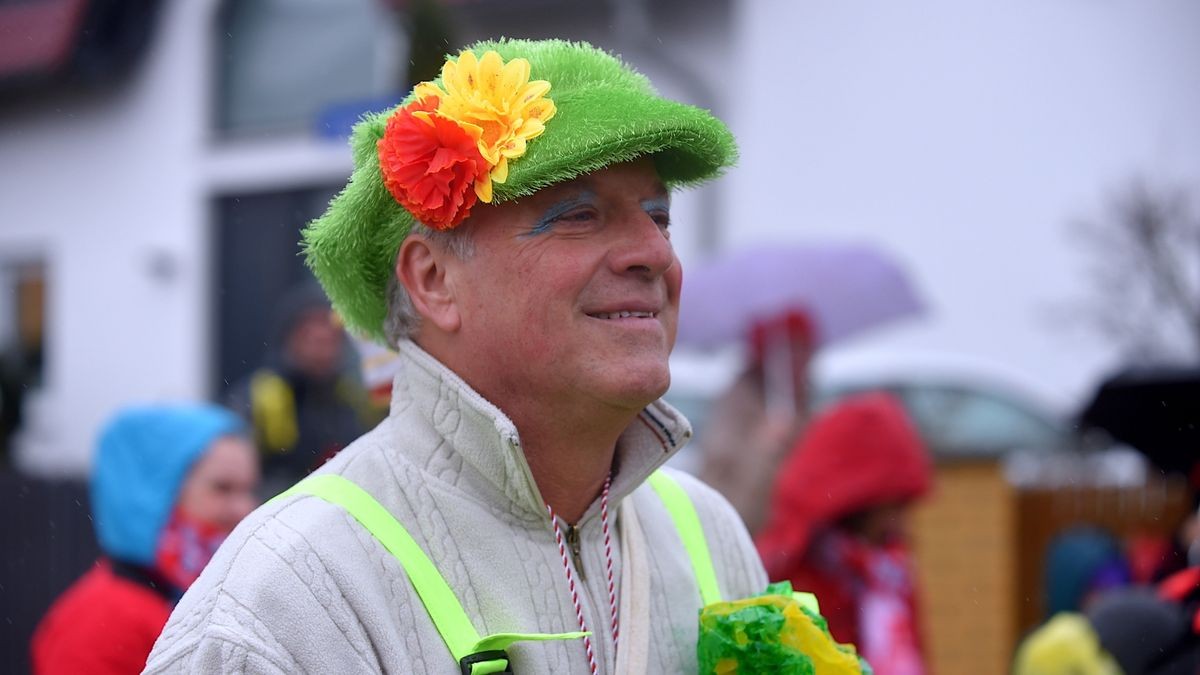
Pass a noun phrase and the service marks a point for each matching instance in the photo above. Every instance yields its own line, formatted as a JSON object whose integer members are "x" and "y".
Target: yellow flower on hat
{"x": 499, "y": 99}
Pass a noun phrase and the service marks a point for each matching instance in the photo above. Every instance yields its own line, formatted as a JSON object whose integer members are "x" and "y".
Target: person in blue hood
{"x": 1081, "y": 564}
{"x": 168, "y": 484}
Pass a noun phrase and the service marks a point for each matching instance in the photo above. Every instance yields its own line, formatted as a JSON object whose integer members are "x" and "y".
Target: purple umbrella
{"x": 845, "y": 288}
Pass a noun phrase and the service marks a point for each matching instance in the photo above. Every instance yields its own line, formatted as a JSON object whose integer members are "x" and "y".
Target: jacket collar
{"x": 488, "y": 443}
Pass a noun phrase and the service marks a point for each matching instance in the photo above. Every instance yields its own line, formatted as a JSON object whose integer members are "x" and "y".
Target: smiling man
{"x": 507, "y": 231}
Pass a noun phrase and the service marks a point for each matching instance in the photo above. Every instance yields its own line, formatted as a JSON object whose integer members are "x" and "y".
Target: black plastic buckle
{"x": 479, "y": 657}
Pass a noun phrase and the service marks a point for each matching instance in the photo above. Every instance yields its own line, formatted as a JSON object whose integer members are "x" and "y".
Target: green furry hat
{"x": 602, "y": 113}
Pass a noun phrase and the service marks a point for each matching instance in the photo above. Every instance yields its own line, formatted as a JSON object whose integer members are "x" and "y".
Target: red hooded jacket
{"x": 861, "y": 453}
{"x": 104, "y": 623}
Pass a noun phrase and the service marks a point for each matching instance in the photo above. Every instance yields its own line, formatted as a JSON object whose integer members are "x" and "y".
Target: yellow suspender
{"x": 475, "y": 655}
{"x": 687, "y": 523}
{"x": 683, "y": 512}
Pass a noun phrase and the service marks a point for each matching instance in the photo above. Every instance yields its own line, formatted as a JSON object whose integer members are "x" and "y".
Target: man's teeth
{"x": 625, "y": 315}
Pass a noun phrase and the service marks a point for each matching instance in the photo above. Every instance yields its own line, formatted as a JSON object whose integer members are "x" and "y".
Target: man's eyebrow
{"x": 570, "y": 200}
{"x": 659, "y": 202}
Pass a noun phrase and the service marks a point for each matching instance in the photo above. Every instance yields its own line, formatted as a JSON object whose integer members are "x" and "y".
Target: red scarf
{"x": 185, "y": 547}
{"x": 883, "y": 585}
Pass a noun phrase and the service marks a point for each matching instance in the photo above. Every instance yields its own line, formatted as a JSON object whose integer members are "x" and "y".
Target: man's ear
{"x": 421, "y": 269}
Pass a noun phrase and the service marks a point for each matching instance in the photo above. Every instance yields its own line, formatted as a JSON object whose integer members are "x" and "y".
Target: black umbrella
{"x": 1154, "y": 410}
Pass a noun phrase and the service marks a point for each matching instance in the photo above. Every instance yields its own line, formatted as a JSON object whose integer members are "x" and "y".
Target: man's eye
{"x": 576, "y": 216}
{"x": 663, "y": 218}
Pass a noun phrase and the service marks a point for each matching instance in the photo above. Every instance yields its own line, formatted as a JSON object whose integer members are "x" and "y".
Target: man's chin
{"x": 642, "y": 387}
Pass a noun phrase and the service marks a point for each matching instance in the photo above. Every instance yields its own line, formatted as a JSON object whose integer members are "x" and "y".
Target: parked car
{"x": 963, "y": 407}
{"x": 967, "y": 418}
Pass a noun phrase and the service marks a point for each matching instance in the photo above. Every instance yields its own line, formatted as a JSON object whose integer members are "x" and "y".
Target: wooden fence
{"x": 980, "y": 546}
{"x": 1156, "y": 509}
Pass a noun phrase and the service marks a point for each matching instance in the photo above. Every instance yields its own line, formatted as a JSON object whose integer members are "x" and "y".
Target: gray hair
{"x": 402, "y": 321}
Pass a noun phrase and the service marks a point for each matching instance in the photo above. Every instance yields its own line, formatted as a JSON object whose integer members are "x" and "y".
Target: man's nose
{"x": 644, "y": 248}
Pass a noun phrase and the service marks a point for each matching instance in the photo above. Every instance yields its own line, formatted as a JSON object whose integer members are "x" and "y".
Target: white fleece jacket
{"x": 301, "y": 587}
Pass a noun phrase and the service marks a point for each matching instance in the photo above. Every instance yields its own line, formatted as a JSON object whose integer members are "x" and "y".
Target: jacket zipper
{"x": 574, "y": 547}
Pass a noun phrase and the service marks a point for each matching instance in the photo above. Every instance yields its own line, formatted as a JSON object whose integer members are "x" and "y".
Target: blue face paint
{"x": 658, "y": 206}
{"x": 560, "y": 209}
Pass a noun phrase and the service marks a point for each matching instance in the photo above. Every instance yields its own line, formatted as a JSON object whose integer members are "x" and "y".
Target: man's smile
{"x": 624, "y": 314}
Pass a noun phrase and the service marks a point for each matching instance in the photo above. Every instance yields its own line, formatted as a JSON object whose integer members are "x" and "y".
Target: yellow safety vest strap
{"x": 687, "y": 523}
{"x": 443, "y": 607}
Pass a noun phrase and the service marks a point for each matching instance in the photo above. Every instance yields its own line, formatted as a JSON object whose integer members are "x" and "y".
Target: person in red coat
{"x": 836, "y": 526}
{"x": 168, "y": 484}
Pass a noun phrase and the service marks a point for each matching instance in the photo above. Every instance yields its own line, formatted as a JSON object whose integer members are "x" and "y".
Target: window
{"x": 305, "y": 65}
{"x": 22, "y": 341}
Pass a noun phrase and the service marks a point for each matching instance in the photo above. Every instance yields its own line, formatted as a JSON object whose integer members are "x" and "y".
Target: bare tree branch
{"x": 1144, "y": 272}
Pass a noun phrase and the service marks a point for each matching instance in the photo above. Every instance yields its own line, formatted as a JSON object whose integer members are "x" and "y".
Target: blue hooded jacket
{"x": 1079, "y": 561}
{"x": 143, "y": 456}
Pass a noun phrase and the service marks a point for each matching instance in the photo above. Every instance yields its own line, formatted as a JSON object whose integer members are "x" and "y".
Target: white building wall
{"x": 104, "y": 187}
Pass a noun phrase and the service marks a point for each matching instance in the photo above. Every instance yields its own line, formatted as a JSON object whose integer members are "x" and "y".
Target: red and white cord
{"x": 566, "y": 561}
{"x": 608, "y": 565}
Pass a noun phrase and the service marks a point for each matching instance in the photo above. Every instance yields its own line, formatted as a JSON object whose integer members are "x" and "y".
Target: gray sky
{"x": 964, "y": 137}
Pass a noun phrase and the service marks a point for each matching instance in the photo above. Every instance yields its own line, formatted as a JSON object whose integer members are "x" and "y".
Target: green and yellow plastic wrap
{"x": 776, "y": 632}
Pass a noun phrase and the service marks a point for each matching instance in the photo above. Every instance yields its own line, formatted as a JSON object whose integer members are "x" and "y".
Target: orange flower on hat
{"x": 431, "y": 164}
{"x": 442, "y": 152}
{"x": 497, "y": 97}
